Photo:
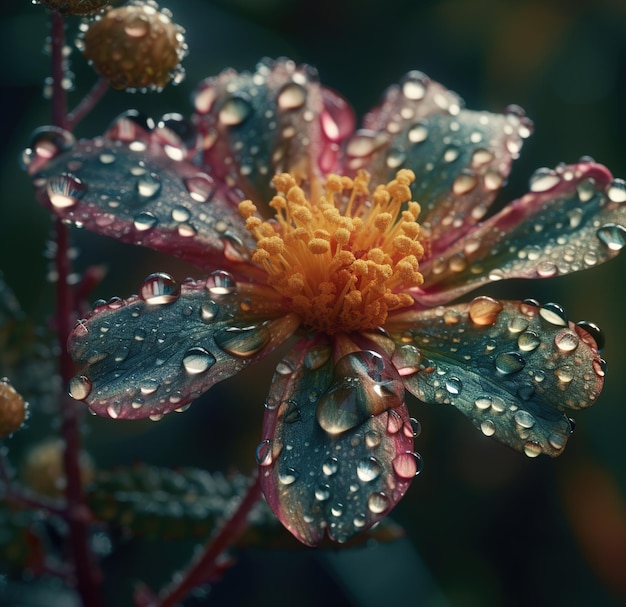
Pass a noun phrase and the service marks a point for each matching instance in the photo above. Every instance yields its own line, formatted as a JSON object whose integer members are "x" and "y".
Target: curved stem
{"x": 201, "y": 570}
{"x": 87, "y": 103}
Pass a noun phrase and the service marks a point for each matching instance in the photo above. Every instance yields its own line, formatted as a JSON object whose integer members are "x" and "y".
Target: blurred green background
{"x": 485, "y": 526}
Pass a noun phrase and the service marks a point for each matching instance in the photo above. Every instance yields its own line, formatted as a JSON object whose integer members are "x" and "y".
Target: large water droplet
{"x": 145, "y": 221}
{"x": 508, "y": 363}
{"x": 364, "y": 385}
{"x": 528, "y": 341}
{"x": 159, "y": 288}
{"x": 291, "y": 97}
{"x": 407, "y": 465}
{"x": 484, "y": 310}
{"x": 148, "y": 185}
{"x": 243, "y": 341}
{"x": 208, "y": 311}
{"x": 200, "y": 187}
{"x": 407, "y": 359}
{"x": 235, "y": 111}
{"x": 612, "y": 236}
{"x": 198, "y": 360}
{"x": 65, "y": 190}
{"x": 368, "y": 469}
{"x": 543, "y": 180}
{"x": 46, "y": 142}
{"x": 220, "y": 283}
{"x": 79, "y": 387}
{"x": 418, "y": 133}
{"x": 464, "y": 183}
{"x": 364, "y": 143}
{"x": 414, "y": 85}
{"x": 288, "y": 476}
{"x": 524, "y": 419}
{"x": 617, "y": 191}
{"x": 532, "y": 449}
{"x": 488, "y": 428}
{"x": 566, "y": 341}
{"x": 180, "y": 213}
{"x": 595, "y": 331}
{"x": 330, "y": 466}
{"x": 554, "y": 314}
{"x": 378, "y": 503}
{"x": 322, "y": 493}
{"x": 454, "y": 385}
{"x": 264, "y": 452}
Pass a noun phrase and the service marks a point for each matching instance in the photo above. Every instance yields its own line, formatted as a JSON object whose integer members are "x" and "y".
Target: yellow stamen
{"x": 342, "y": 262}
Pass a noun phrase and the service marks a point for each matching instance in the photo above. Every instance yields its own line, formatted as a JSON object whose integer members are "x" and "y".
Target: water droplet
{"x": 451, "y": 154}
{"x": 288, "y": 476}
{"x": 595, "y": 331}
{"x": 243, "y": 341}
{"x": 599, "y": 366}
{"x": 546, "y": 269}
{"x": 317, "y": 356}
{"x": 483, "y": 402}
{"x": 148, "y": 185}
{"x": 532, "y": 449}
{"x": 148, "y": 386}
{"x": 454, "y": 385}
{"x": 198, "y": 360}
{"x": 543, "y": 180}
{"x": 368, "y": 469}
{"x": 524, "y": 419}
{"x": 200, "y": 187}
{"x": 484, "y": 311}
{"x": 322, "y": 493}
{"x": 79, "y": 387}
{"x": 565, "y": 374}
{"x": 359, "y": 521}
{"x": 65, "y": 190}
{"x": 235, "y": 111}
{"x": 406, "y": 359}
{"x": 292, "y": 96}
{"x": 180, "y": 213}
{"x": 378, "y": 503}
{"x": 364, "y": 384}
{"x": 418, "y": 133}
{"x": 556, "y": 441}
{"x": 414, "y": 85}
{"x": 330, "y": 466}
{"x": 208, "y": 311}
{"x": 612, "y": 236}
{"x": 159, "y": 288}
{"x": 372, "y": 439}
{"x": 488, "y": 428}
{"x": 481, "y": 156}
{"x": 617, "y": 191}
{"x": 394, "y": 422}
{"x": 395, "y": 158}
{"x": 517, "y": 324}
{"x": 407, "y": 465}
{"x": 364, "y": 143}
{"x": 45, "y": 143}
{"x": 136, "y": 26}
{"x": 508, "y": 363}
{"x": 114, "y": 410}
{"x": 528, "y": 341}
{"x": 464, "y": 183}
{"x": 493, "y": 180}
{"x": 336, "y": 509}
{"x": 220, "y": 282}
{"x": 145, "y": 221}
{"x": 264, "y": 453}
{"x": 554, "y": 314}
{"x": 566, "y": 341}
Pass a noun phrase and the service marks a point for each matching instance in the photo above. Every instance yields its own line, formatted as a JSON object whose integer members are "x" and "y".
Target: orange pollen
{"x": 342, "y": 262}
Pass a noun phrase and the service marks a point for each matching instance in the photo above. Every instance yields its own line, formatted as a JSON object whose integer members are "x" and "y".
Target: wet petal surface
{"x": 274, "y": 120}
{"x": 337, "y": 449}
{"x": 460, "y": 158}
{"x": 156, "y": 352}
{"x": 134, "y": 184}
{"x": 574, "y": 218}
{"x": 513, "y": 368}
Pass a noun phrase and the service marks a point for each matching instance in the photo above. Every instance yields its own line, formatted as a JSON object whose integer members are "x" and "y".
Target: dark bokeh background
{"x": 489, "y": 526}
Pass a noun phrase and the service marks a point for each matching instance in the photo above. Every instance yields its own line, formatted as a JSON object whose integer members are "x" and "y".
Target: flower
{"x": 375, "y": 233}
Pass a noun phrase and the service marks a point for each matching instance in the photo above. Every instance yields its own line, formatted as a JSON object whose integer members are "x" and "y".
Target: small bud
{"x": 42, "y": 469}
{"x": 75, "y": 7}
{"x": 12, "y": 409}
{"x": 135, "y": 46}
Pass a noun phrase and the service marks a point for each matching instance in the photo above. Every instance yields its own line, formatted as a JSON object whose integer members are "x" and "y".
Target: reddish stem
{"x": 77, "y": 514}
{"x": 206, "y": 565}
{"x": 87, "y": 103}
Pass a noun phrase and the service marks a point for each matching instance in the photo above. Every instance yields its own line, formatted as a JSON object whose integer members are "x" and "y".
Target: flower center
{"x": 342, "y": 261}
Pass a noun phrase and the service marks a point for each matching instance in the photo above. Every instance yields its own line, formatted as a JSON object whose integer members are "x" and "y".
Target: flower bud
{"x": 135, "y": 46}
{"x": 12, "y": 409}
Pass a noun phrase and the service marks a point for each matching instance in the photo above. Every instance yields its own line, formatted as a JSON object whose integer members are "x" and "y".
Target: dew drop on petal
{"x": 414, "y": 85}
{"x": 148, "y": 185}
{"x": 322, "y": 493}
{"x": 330, "y": 466}
{"x": 488, "y": 428}
{"x": 198, "y": 360}
{"x": 368, "y": 469}
{"x": 418, "y": 133}
{"x": 235, "y": 111}
{"x": 65, "y": 190}
{"x": 200, "y": 187}
{"x": 288, "y": 476}
{"x": 317, "y": 356}
{"x": 508, "y": 363}
{"x": 378, "y": 503}
{"x": 114, "y": 410}
{"x": 484, "y": 311}
{"x": 524, "y": 419}
{"x": 145, "y": 221}
{"x": 532, "y": 449}
{"x": 595, "y": 331}
{"x": 264, "y": 453}
{"x": 406, "y": 359}
{"x": 208, "y": 311}
{"x": 483, "y": 402}
{"x": 407, "y": 465}
{"x": 617, "y": 191}
{"x": 79, "y": 387}
{"x": 543, "y": 180}
{"x": 159, "y": 289}
{"x": 493, "y": 180}
{"x": 221, "y": 282}
{"x": 612, "y": 236}
{"x": 528, "y": 341}
{"x": 454, "y": 385}
{"x": 372, "y": 439}
{"x": 481, "y": 156}
{"x": 554, "y": 314}
{"x": 464, "y": 183}
{"x": 566, "y": 341}
{"x": 291, "y": 97}
{"x": 180, "y": 213}
{"x": 243, "y": 341}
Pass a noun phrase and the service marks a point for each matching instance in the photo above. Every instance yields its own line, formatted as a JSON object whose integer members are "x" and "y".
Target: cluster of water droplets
{"x": 511, "y": 368}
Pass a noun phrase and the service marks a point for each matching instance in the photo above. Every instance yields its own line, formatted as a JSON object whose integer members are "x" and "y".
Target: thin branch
{"x": 88, "y": 102}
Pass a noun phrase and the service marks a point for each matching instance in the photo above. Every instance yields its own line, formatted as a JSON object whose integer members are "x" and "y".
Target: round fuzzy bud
{"x": 42, "y": 469}
{"x": 75, "y": 7}
{"x": 135, "y": 46}
{"x": 12, "y": 409}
